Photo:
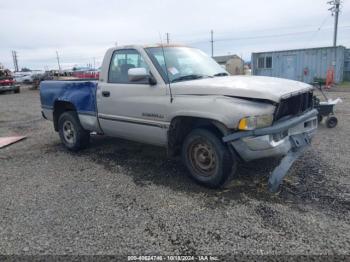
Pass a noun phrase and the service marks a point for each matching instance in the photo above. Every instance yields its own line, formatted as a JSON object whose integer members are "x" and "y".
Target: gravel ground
{"x": 119, "y": 197}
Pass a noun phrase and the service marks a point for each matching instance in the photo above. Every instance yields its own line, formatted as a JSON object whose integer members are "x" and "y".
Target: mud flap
{"x": 299, "y": 143}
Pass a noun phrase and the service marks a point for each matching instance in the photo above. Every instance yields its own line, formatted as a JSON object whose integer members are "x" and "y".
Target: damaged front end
{"x": 288, "y": 137}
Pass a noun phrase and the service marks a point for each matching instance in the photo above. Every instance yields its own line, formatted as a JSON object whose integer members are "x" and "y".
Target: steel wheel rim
{"x": 68, "y": 132}
{"x": 202, "y": 158}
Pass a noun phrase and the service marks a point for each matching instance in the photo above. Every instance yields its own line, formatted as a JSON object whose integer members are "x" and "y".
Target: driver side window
{"x": 121, "y": 62}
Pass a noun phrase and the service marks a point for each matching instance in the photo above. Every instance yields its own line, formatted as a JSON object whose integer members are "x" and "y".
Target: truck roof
{"x": 150, "y": 45}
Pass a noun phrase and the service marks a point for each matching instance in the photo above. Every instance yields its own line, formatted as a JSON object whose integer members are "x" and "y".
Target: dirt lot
{"x": 119, "y": 197}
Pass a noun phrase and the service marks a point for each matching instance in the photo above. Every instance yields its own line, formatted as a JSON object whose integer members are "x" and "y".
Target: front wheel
{"x": 72, "y": 134}
{"x": 207, "y": 159}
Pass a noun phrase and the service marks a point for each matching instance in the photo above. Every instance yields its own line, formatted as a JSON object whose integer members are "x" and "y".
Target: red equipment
{"x": 330, "y": 77}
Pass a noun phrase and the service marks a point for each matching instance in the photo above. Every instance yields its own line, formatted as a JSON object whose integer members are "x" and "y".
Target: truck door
{"x": 132, "y": 110}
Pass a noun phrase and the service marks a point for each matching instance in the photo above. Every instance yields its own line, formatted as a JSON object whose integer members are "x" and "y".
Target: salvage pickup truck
{"x": 179, "y": 98}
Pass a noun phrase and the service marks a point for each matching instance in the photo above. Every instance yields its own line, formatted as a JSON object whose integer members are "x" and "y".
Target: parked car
{"x": 23, "y": 77}
{"x": 7, "y": 83}
{"x": 27, "y": 77}
{"x": 180, "y": 98}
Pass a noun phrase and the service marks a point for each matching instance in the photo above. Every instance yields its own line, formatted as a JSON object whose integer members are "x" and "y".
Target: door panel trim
{"x": 132, "y": 120}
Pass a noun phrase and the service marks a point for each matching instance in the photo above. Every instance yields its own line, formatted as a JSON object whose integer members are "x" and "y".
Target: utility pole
{"x": 15, "y": 60}
{"x": 335, "y": 7}
{"x": 212, "y": 42}
{"x": 94, "y": 62}
{"x": 167, "y": 38}
{"x": 58, "y": 61}
{"x": 335, "y": 12}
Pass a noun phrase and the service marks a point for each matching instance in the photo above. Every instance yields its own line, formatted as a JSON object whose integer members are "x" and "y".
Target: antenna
{"x": 212, "y": 42}
{"x": 166, "y": 68}
{"x": 58, "y": 61}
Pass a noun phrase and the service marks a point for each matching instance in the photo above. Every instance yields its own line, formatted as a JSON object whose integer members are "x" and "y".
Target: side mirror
{"x": 139, "y": 74}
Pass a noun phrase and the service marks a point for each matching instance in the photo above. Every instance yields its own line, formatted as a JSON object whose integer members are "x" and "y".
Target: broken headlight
{"x": 254, "y": 122}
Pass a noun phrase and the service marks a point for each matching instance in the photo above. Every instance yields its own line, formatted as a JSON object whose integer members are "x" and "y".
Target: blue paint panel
{"x": 82, "y": 94}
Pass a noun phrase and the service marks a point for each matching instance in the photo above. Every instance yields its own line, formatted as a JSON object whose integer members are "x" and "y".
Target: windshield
{"x": 184, "y": 63}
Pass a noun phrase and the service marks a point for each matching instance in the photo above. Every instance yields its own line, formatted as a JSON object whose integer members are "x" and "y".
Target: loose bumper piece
{"x": 300, "y": 143}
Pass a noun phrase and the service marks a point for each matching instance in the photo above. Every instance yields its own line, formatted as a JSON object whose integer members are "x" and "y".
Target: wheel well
{"x": 59, "y": 108}
{"x": 181, "y": 126}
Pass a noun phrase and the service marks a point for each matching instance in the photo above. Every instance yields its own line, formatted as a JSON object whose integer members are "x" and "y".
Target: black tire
{"x": 332, "y": 122}
{"x": 72, "y": 134}
{"x": 17, "y": 90}
{"x": 319, "y": 118}
{"x": 214, "y": 165}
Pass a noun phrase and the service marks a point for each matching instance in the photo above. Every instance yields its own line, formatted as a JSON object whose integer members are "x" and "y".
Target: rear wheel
{"x": 17, "y": 90}
{"x": 207, "y": 159}
{"x": 72, "y": 134}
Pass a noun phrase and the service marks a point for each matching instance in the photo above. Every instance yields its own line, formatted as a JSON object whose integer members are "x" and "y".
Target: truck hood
{"x": 258, "y": 87}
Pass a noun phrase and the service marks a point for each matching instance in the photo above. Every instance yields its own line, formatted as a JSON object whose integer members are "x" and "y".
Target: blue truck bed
{"x": 82, "y": 94}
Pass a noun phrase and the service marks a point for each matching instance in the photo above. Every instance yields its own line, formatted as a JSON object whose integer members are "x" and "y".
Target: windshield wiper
{"x": 221, "y": 74}
{"x": 189, "y": 77}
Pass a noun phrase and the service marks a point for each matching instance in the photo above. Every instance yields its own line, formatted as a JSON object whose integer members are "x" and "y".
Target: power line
{"x": 263, "y": 36}
{"x": 245, "y": 30}
{"x": 323, "y": 23}
{"x": 202, "y": 34}
{"x": 312, "y": 36}
{"x": 320, "y": 27}
{"x": 256, "y": 37}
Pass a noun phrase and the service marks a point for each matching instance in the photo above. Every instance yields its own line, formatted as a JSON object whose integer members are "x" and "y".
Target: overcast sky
{"x": 81, "y": 30}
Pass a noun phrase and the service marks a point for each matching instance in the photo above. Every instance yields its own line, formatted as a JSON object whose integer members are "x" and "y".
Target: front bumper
{"x": 272, "y": 141}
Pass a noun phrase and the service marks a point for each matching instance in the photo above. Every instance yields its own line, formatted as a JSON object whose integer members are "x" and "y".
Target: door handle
{"x": 106, "y": 93}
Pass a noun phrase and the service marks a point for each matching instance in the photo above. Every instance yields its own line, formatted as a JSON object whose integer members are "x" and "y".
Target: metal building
{"x": 347, "y": 65}
{"x": 232, "y": 63}
{"x": 300, "y": 64}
